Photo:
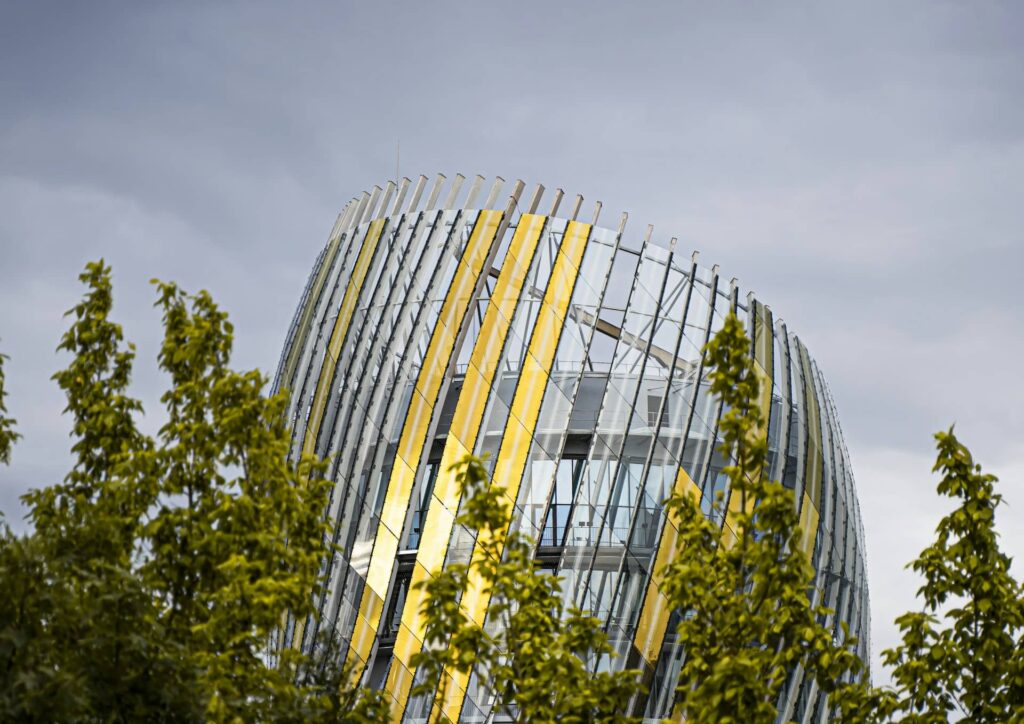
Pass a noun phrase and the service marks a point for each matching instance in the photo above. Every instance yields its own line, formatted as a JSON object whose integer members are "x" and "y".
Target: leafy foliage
{"x": 974, "y": 666}
{"x": 748, "y": 619}
{"x": 536, "y": 659}
{"x": 159, "y": 569}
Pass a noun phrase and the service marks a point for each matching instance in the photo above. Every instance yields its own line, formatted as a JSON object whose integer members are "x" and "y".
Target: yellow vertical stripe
{"x": 515, "y": 446}
{"x": 653, "y": 622}
{"x": 462, "y": 436}
{"x": 810, "y": 510}
{"x": 457, "y": 302}
{"x": 345, "y": 312}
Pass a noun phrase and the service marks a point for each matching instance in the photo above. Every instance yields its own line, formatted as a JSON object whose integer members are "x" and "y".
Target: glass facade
{"x": 570, "y": 353}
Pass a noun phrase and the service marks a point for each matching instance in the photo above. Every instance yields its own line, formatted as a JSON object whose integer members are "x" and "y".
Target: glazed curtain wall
{"x": 571, "y": 354}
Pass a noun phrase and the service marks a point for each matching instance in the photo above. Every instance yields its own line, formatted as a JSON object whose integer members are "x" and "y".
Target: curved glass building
{"x": 442, "y": 319}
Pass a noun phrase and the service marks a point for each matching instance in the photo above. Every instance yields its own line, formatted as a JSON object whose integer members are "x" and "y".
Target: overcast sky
{"x": 859, "y": 167}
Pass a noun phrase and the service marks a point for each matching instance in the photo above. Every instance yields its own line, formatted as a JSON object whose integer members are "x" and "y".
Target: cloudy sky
{"x": 856, "y": 165}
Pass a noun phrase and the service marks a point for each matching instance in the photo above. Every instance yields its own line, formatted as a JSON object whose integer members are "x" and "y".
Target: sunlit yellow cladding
{"x": 458, "y": 299}
{"x": 348, "y": 306}
{"x": 462, "y": 437}
{"x": 810, "y": 509}
{"x": 516, "y": 442}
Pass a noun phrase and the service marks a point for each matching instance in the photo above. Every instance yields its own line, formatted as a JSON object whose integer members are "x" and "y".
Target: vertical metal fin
{"x": 474, "y": 190}
{"x": 576, "y": 207}
{"x": 403, "y": 189}
{"x": 453, "y": 193}
{"x": 435, "y": 192}
{"x": 538, "y": 192}
{"x": 492, "y": 197}
{"x": 417, "y": 193}
{"x": 555, "y": 202}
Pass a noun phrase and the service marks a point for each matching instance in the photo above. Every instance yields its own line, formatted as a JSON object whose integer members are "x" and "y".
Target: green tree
{"x": 973, "y": 666}
{"x": 536, "y": 659}
{"x": 159, "y": 569}
{"x": 748, "y": 621}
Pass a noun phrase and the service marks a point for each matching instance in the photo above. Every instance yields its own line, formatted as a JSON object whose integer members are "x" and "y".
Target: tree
{"x": 159, "y": 569}
{"x": 973, "y": 666}
{"x": 747, "y": 620}
{"x": 536, "y": 660}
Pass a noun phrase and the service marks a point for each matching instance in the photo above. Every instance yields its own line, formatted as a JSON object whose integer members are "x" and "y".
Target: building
{"x": 517, "y": 325}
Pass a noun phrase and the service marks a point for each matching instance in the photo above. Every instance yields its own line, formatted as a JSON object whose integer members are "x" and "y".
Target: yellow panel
{"x": 345, "y": 312}
{"x": 433, "y": 545}
{"x": 399, "y": 679}
{"x": 653, "y": 622}
{"x": 414, "y": 431}
{"x": 533, "y": 380}
{"x": 446, "y": 486}
{"x": 441, "y": 342}
{"x": 370, "y": 610}
{"x": 515, "y": 443}
{"x": 417, "y": 421}
{"x": 384, "y": 548}
{"x": 809, "y": 525}
{"x": 461, "y": 440}
{"x": 466, "y": 419}
{"x": 392, "y": 516}
{"x": 814, "y": 460}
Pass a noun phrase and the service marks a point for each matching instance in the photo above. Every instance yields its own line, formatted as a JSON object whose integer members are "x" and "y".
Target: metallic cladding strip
{"x": 293, "y": 325}
{"x": 655, "y": 613}
{"x": 302, "y": 331}
{"x": 460, "y": 442}
{"x": 460, "y": 295}
{"x": 396, "y": 255}
{"x": 523, "y": 413}
{"x": 338, "y": 334}
{"x": 785, "y": 409}
{"x": 430, "y": 266}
